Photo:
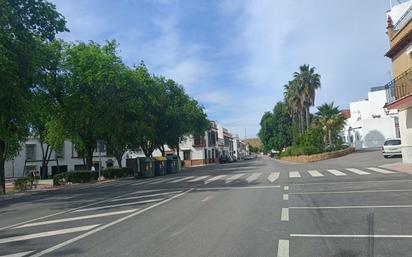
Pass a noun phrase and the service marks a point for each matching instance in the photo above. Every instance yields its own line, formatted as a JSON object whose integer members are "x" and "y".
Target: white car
{"x": 391, "y": 147}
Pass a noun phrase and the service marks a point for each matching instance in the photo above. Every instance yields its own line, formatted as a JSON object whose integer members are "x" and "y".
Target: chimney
{"x": 390, "y": 29}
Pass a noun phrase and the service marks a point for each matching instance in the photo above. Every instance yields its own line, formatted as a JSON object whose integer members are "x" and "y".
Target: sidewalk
{"x": 399, "y": 166}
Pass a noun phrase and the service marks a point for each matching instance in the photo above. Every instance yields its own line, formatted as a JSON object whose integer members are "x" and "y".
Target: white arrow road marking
{"x": 233, "y": 178}
{"x": 75, "y": 218}
{"x": 294, "y": 174}
{"x": 358, "y": 171}
{"x": 336, "y": 172}
{"x": 22, "y": 254}
{"x": 315, "y": 173}
{"x": 273, "y": 177}
{"x": 181, "y": 179}
{"x": 46, "y": 234}
{"x": 214, "y": 179}
{"x": 119, "y": 205}
{"x": 380, "y": 170}
{"x": 253, "y": 177}
{"x": 199, "y": 178}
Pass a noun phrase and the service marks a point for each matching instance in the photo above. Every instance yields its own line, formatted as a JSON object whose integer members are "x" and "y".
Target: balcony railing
{"x": 399, "y": 87}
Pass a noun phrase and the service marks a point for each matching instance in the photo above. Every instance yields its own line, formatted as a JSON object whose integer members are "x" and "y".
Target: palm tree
{"x": 293, "y": 99}
{"x": 308, "y": 81}
{"x": 329, "y": 116}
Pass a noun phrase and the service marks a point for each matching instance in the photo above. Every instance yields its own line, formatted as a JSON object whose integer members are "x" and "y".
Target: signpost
{"x": 100, "y": 149}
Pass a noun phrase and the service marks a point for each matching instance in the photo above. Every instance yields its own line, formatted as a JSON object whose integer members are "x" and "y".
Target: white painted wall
{"x": 405, "y": 125}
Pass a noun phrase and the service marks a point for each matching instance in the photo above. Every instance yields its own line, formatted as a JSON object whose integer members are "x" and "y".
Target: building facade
{"x": 399, "y": 31}
{"x": 368, "y": 124}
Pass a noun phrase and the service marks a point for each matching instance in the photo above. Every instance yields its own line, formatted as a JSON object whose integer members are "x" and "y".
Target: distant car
{"x": 225, "y": 159}
{"x": 391, "y": 147}
{"x": 248, "y": 157}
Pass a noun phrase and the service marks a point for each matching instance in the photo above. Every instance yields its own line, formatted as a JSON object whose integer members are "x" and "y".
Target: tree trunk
{"x": 177, "y": 148}
{"x": 330, "y": 136}
{"x": 301, "y": 121}
{"x": 162, "y": 150}
{"x": 119, "y": 157}
{"x": 307, "y": 116}
{"x": 89, "y": 157}
{"x": 2, "y": 171}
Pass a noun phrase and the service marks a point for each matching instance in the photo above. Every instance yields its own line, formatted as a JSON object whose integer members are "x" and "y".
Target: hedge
{"x": 301, "y": 150}
{"x": 78, "y": 176}
{"x": 117, "y": 172}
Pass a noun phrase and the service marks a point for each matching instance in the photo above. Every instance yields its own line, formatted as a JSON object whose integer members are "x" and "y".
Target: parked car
{"x": 391, "y": 147}
{"x": 224, "y": 159}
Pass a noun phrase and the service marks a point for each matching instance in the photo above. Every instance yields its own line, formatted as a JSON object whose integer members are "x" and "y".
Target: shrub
{"x": 23, "y": 183}
{"x": 78, "y": 176}
{"x": 117, "y": 172}
{"x": 301, "y": 150}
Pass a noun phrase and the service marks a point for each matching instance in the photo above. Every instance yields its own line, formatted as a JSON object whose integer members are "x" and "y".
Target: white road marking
{"x": 337, "y": 172}
{"x": 46, "y": 234}
{"x": 285, "y": 197}
{"x": 75, "y": 218}
{"x": 181, "y": 179}
{"x": 21, "y": 254}
{"x": 140, "y": 192}
{"x": 214, "y": 179}
{"x": 285, "y": 214}
{"x": 253, "y": 177}
{"x": 294, "y": 174}
{"x": 350, "y": 207}
{"x": 351, "y": 236}
{"x": 353, "y": 182}
{"x": 380, "y": 170}
{"x": 119, "y": 205}
{"x": 233, "y": 178}
{"x": 236, "y": 188}
{"x": 273, "y": 177}
{"x": 146, "y": 181}
{"x": 144, "y": 196}
{"x": 70, "y": 241}
{"x": 351, "y": 192}
{"x": 199, "y": 179}
{"x": 161, "y": 181}
{"x": 358, "y": 171}
{"x": 283, "y": 248}
{"x": 315, "y": 173}
{"x": 207, "y": 198}
{"x": 286, "y": 188}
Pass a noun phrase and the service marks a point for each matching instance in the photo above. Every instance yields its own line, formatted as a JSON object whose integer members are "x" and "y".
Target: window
{"x": 59, "y": 153}
{"x": 393, "y": 142}
{"x": 31, "y": 152}
{"x": 198, "y": 141}
{"x": 186, "y": 155}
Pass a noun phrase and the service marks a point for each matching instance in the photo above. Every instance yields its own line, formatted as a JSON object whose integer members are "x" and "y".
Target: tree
{"x": 275, "y": 132}
{"x": 309, "y": 82}
{"x": 294, "y": 102}
{"x": 91, "y": 71}
{"x": 24, "y": 27}
{"x": 329, "y": 116}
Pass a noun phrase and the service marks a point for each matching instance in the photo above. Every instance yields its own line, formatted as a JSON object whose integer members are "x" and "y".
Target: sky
{"x": 235, "y": 56}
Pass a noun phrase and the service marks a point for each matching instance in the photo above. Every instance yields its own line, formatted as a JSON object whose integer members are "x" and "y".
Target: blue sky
{"x": 234, "y": 56}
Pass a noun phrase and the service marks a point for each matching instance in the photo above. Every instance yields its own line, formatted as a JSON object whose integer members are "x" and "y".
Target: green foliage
{"x": 301, "y": 150}
{"x": 25, "y": 27}
{"x": 24, "y": 183}
{"x": 117, "y": 172}
{"x": 78, "y": 176}
{"x": 313, "y": 136}
{"x": 330, "y": 118}
{"x": 275, "y": 132}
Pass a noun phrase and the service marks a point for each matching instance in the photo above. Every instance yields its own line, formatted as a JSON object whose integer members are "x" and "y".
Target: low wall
{"x": 318, "y": 157}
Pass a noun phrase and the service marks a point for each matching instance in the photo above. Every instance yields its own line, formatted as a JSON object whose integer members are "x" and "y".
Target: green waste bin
{"x": 146, "y": 167}
{"x": 173, "y": 164}
{"x": 160, "y": 166}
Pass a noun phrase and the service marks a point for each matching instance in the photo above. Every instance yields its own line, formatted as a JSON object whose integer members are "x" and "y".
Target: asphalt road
{"x": 344, "y": 207}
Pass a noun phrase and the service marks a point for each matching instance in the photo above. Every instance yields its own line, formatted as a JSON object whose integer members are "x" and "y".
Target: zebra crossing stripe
{"x": 273, "y": 177}
{"x": 294, "y": 174}
{"x": 358, "y": 171}
{"x": 315, "y": 173}
{"x": 21, "y": 254}
{"x": 232, "y": 178}
{"x": 214, "y": 179}
{"x": 181, "y": 179}
{"x": 119, "y": 205}
{"x": 337, "y": 172}
{"x": 46, "y": 234}
{"x": 380, "y": 170}
{"x": 161, "y": 181}
{"x": 253, "y": 177}
{"x": 198, "y": 179}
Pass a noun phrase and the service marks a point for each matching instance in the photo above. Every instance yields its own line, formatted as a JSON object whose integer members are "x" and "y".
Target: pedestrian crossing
{"x": 268, "y": 177}
{"x": 79, "y": 220}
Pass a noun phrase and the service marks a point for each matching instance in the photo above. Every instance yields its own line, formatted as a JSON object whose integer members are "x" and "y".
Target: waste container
{"x": 133, "y": 164}
{"x": 173, "y": 164}
{"x": 160, "y": 166}
{"x": 146, "y": 167}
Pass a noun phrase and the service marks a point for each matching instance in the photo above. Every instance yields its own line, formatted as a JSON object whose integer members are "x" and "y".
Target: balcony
{"x": 399, "y": 87}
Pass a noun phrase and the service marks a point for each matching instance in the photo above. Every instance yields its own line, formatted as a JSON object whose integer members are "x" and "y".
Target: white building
{"x": 369, "y": 125}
